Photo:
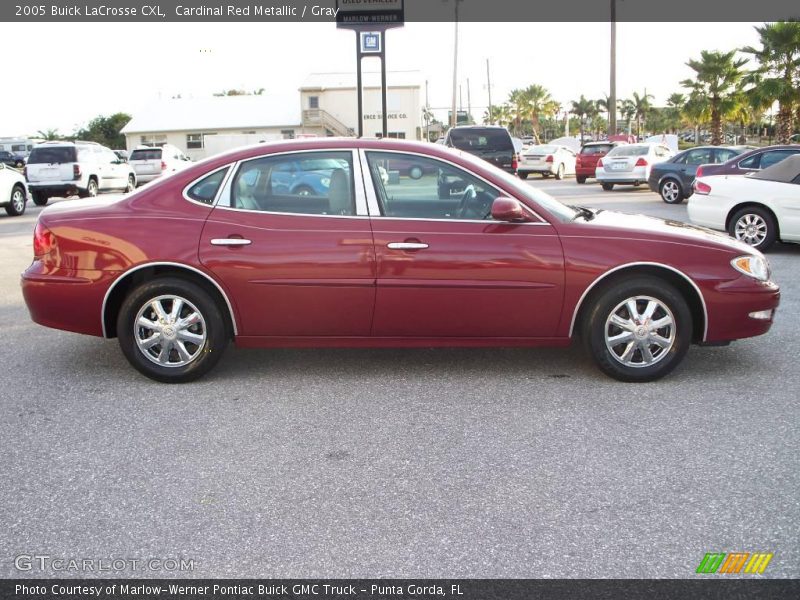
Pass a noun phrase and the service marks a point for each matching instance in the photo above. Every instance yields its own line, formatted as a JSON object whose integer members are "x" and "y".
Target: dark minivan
{"x": 491, "y": 143}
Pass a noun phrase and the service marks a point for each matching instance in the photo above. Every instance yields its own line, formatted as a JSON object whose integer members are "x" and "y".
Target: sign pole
{"x": 359, "y": 90}
{"x": 383, "y": 87}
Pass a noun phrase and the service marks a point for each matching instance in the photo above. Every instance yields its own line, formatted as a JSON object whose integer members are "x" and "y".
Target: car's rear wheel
{"x": 671, "y": 191}
{"x": 131, "y": 184}
{"x": 40, "y": 198}
{"x": 522, "y": 175}
{"x": 608, "y": 186}
{"x": 171, "y": 330}
{"x": 638, "y": 330}
{"x": 91, "y": 189}
{"x": 16, "y": 204}
{"x": 754, "y": 226}
{"x": 580, "y": 179}
{"x": 560, "y": 172}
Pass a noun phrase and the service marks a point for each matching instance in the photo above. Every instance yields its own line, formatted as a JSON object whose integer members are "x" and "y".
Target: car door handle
{"x": 230, "y": 242}
{"x": 406, "y": 245}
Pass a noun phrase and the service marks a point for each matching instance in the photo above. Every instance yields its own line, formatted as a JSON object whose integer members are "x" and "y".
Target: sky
{"x": 102, "y": 68}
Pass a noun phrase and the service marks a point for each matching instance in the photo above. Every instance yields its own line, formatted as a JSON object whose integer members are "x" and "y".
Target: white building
{"x": 186, "y": 122}
{"x": 327, "y": 106}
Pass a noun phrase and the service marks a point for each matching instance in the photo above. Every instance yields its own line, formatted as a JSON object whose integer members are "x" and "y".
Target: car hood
{"x": 634, "y": 226}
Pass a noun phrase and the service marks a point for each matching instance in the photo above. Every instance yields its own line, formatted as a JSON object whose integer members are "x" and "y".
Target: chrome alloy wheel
{"x": 170, "y": 331}
{"x": 18, "y": 200}
{"x": 670, "y": 191}
{"x": 640, "y": 331}
{"x": 751, "y": 229}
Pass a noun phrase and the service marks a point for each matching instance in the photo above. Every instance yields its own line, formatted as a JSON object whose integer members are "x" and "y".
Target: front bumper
{"x": 732, "y": 304}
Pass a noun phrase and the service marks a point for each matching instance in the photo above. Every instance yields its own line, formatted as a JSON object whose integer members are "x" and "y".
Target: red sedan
{"x": 463, "y": 255}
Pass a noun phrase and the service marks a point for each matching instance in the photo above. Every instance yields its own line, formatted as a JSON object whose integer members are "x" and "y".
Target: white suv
{"x": 151, "y": 162}
{"x": 68, "y": 168}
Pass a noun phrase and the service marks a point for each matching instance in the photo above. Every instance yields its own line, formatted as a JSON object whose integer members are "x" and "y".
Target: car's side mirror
{"x": 509, "y": 210}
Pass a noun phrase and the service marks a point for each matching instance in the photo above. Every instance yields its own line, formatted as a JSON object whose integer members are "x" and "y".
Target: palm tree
{"x": 675, "y": 103}
{"x": 641, "y": 106}
{"x": 628, "y": 110}
{"x": 584, "y": 109}
{"x": 719, "y": 77}
{"x": 777, "y": 77}
{"x": 538, "y": 103}
{"x": 517, "y": 99}
{"x": 696, "y": 111}
{"x": 603, "y": 106}
{"x": 49, "y": 135}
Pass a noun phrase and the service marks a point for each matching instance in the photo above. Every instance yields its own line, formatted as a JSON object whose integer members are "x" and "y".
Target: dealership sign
{"x": 369, "y": 13}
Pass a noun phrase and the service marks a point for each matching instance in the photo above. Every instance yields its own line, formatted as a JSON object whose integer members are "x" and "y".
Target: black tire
{"x": 611, "y": 300}
{"x": 91, "y": 189}
{"x": 131, "y": 184}
{"x": 304, "y": 190}
{"x": 580, "y": 179}
{"x": 759, "y": 217}
{"x": 671, "y": 191}
{"x": 608, "y": 187}
{"x": 40, "y": 198}
{"x": 204, "y": 356}
{"x": 17, "y": 201}
{"x": 522, "y": 175}
{"x": 560, "y": 172}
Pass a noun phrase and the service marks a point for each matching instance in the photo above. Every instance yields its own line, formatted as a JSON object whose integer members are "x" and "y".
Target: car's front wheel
{"x": 754, "y": 226}
{"x": 171, "y": 330}
{"x": 638, "y": 330}
{"x": 671, "y": 191}
{"x": 16, "y": 204}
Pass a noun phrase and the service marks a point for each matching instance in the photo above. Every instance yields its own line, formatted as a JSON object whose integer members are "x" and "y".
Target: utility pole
{"x": 469, "y": 102}
{"x": 489, "y": 87}
{"x": 427, "y": 115}
{"x": 453, "y": 118}
{"x": 612, "y": 99}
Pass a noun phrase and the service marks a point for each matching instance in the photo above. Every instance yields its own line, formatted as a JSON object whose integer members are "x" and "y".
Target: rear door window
{"x": 775, "y": 156}
{"x": 699, "y": 156}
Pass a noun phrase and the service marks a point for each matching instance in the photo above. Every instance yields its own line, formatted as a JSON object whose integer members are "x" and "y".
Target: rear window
{"x": 543, "y": 150}
{"x": 481, "y": 139}
{"x": 596, "y": 149}
{"x": 630, "y": 151}
{"x": 148, "y": 154}
{"x": 51, "y": 155}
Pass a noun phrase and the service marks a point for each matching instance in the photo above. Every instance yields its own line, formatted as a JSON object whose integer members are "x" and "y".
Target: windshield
{"x": 630, "y": 151}
{"x": 536, "y": 197}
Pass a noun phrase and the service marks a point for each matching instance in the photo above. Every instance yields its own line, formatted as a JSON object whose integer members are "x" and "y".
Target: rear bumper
{"x": 64, "y": 299}
{"x": 584, "y": 171}
{"x": 637, "y": 175}
{"x": 57, "y": 188}
{"x": 708, "y": 212}
{"x": 548, "y": 168}
{"x": 146, "y": 178}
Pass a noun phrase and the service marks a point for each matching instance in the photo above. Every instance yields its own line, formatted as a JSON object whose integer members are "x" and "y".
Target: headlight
{"x": 325, "y": 181}
{"x": 753, "y": 266}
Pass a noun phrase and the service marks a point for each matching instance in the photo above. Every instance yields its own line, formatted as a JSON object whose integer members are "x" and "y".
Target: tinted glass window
{"x": 149, "y": 154}
{"x": 699, "y": 156}
{"x": 418, "y": 187}
{"x": 48, "y": 155}
{"x": 751, "y": 162}
{"x": 481, "y": 139}
{"x": 206, "y": 189}
{"x": 774, "y": 156}
{"x": 724, "y": 155}
{"x": 596, "y": 149}
{"x": 630, "y": 151}
{"x": 318, "y": 183}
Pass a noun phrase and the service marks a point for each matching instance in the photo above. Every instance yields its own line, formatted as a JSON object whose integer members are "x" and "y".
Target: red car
{"x": 586, "y": 160}
{"x": 465, "y": 255}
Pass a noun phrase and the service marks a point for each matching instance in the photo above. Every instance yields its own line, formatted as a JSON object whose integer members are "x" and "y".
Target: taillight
{"x": 514, "y": 161}
{"x": 163, "y": 166}
{"x": 76, "y": 171}
{"x": 43, "y": 241}
{"x": 702, "y": 188}
{"x": 699, "y": 172}
{"x": 641, "y": 162}
{"x": 549, "y": 158}
{"x": 578, "y": 160}
{"x": 25, "y": 172}
{"x": 600, "y": 162}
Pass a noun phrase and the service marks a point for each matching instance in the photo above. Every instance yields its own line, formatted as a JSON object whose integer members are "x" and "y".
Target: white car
{"x": 758, "y": 209}
{"x": 150, "y": 163}
{"x": 546, "y": 159}
{"x": 13, "y": 191}
{"x": 630, "y": 164}
{"x": 69, "y": 168}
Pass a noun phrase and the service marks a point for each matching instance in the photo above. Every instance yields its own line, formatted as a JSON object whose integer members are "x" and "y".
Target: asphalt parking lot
{"x": 389, "y": 463}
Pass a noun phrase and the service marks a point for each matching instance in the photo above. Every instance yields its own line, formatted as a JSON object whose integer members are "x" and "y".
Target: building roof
{"x": 370, "y": 79}
{"x": 217, "y": 112}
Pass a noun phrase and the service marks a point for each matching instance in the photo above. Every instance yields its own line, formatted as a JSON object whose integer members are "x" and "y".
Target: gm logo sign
{"x": 370, "y": 42}
{"x": 733, "y": 562}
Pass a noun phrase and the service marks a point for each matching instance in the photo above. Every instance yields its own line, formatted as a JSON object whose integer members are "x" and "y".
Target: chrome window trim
{"x": 168, "y": 264}
{"x": 185, "y": 192}
{"x": 638, "y": 264}
{"x": 374, "y": 206}
{"x": 358, "y": 190}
